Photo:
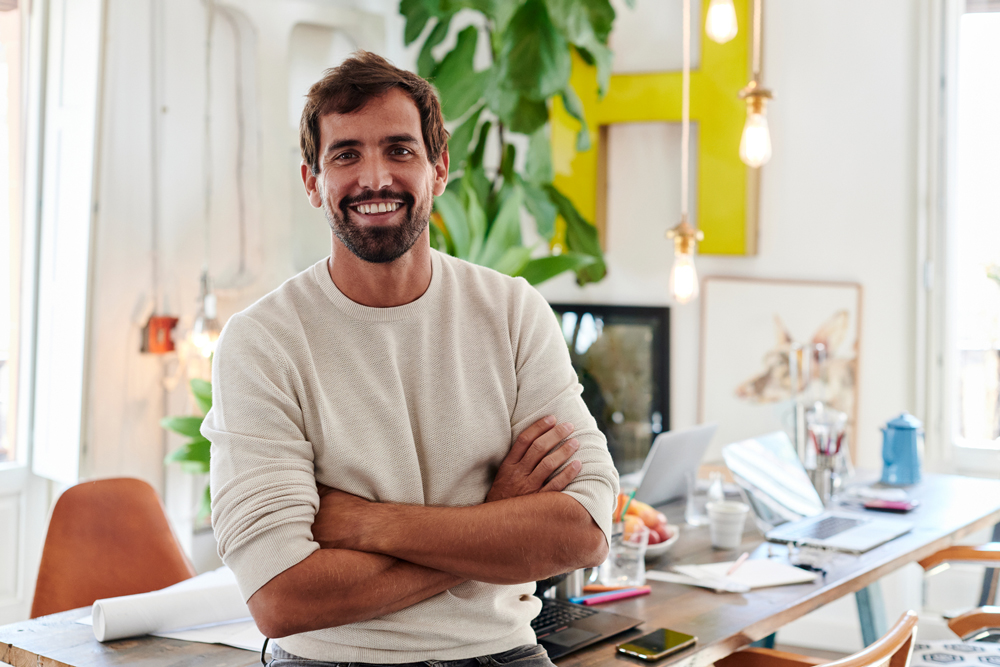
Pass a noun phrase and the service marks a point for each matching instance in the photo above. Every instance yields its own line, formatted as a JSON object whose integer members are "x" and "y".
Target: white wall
{"x": 837, "y": 198}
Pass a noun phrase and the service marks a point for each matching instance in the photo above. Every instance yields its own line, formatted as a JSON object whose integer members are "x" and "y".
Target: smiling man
{"x": 399, "y": 447}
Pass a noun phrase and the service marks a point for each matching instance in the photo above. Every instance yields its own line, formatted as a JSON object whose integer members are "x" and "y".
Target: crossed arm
{"x": 379, "y": 558}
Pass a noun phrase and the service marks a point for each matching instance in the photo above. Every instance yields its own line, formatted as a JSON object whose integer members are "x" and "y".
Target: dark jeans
{"x": 529, "y": 655}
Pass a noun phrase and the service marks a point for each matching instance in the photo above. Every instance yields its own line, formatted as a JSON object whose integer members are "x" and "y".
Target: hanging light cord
{"x": 207, "y": 156}
{"x": 756, "y": 40}
{"x": 686, "y": 110}
{"x": 154, "y": 159}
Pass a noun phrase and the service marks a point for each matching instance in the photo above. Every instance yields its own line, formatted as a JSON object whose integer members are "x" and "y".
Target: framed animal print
{"x": 769, "y": 344}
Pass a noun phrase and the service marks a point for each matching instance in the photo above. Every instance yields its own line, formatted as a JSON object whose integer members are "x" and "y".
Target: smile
{"x": 383, "y": 207}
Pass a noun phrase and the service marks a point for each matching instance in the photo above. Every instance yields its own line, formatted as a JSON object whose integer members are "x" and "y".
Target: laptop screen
{"x": 769, "y": 471}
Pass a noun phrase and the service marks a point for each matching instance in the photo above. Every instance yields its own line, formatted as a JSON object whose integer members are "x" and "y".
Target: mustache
{"x": 372, "y": 195}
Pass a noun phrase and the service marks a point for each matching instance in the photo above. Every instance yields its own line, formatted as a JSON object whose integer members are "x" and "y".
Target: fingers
{"x": 565, "y": 476}
{"x": 552, "y": 462}
{"x": 544, "y": 443}
{"x": 527, "y": 437}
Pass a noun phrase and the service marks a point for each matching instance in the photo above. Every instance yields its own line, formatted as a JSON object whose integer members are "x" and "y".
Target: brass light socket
{"x": 684, "y": 237}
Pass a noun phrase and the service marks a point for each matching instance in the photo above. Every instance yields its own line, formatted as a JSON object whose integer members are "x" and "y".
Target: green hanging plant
{"x": 530, "y": 44}
{"x": 194, "y": 455}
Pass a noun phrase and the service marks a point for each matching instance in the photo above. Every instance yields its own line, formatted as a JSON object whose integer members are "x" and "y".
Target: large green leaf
{"x": 459, "y": 84}
{"x": 417, "y": 13}
{"x": 455, "y": 221}
{"x": 574, "y": 107}
{"x": 513, "y": 260}
{"x": 202, "y": 391}
{"x": 425, "y": 61}
{"x": 476, "y": 156}
{"x": 189, "y": 426}
{"x": 519, "y": 113}
{"x": 581, "y": 237}
{"x": 507, "y": 162}
{"x": 438, "y": 239}
{"x": 196, "y": 451}
{"x": 582, "y": 20}
{"x": 460, "y": 139}
{"x": 475, "y": 215}
{"x": 541, "y": 209}
{"x": 505, "y": 230}
{"x": 600, "y": 55}
{"x": 534, "y": 59}
{"x": 541, "y": 269}
{"x": 476, "y": 178}
{"x": 538, "y": 162}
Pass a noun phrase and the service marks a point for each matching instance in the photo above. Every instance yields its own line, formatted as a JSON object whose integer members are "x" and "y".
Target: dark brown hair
{"x": 351, "y": 85}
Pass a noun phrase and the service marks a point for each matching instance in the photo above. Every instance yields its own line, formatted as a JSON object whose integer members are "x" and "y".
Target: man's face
{"x": 375, "y": 184}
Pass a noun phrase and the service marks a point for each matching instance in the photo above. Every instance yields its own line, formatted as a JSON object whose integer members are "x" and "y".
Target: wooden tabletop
{"x": 951, "y": 507}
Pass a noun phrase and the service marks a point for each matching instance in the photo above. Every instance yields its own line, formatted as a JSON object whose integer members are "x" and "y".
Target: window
{"x": 10, "y": 222}
{"x": 974, "y": 228}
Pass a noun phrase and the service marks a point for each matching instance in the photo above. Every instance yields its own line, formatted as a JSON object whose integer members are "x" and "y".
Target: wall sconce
{"x": 206, "y": 329}
{"x": 683, "y": 276}
{"x": 720, "y": 21}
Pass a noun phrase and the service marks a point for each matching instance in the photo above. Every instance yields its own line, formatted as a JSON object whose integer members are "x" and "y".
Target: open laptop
{"x": 563, "y": 627}
{"x": 673, "y": 454}
{"x": 785, "y": 502}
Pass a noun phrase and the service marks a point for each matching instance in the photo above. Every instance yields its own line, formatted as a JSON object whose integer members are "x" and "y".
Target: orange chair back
{"x": 106, "y": 538}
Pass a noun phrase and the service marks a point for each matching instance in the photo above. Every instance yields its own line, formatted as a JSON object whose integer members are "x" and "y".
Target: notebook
{"x": 787, "y": 505}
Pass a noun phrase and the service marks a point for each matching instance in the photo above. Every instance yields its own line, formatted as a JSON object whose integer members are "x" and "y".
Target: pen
{"x": 739, "y": 561}
{"x": 610, "y": 596}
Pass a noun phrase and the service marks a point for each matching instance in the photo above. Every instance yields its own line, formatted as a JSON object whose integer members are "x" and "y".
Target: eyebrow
{"x": 393, "y": 139}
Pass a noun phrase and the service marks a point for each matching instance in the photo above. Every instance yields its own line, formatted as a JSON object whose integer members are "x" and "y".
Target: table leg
{"x": 991, "y": 577}
{"x": 871, "y": 613}
{"x": 766, "y": 642}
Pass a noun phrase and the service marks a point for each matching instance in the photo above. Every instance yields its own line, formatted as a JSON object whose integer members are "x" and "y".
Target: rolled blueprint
{"x": 210, "y": 598}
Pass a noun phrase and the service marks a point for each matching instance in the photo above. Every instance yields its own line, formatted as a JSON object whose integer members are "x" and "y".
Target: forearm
{"x": 510, "y": 541}
{"x": 335, "y": 586}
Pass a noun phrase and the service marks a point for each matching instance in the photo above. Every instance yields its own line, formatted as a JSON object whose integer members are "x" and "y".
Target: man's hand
{"x": 532, "y": 459}
{"x": 340, "y": 518}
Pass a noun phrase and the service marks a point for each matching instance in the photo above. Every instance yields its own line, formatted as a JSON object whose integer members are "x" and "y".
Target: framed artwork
{"x": 750, "y": 333}
{"x": 621, "y": 355}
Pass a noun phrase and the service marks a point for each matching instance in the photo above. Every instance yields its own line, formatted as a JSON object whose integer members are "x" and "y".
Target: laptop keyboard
{"x": 824, "y": 528}
{"x": 556, "y": 615}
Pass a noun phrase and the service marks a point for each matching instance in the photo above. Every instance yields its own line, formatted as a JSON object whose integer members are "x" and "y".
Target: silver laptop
{"x": 787, "y": 505}
{"x": 672, "y": 455}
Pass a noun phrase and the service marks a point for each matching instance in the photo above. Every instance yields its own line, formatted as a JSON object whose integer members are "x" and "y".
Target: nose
{"x": 375, "y": 173}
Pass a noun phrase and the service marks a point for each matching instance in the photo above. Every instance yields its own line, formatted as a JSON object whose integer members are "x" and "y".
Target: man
{"x": 392, "y": 463}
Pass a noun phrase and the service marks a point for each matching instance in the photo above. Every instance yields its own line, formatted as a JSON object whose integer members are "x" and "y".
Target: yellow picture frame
{"x": 727, "y": 190}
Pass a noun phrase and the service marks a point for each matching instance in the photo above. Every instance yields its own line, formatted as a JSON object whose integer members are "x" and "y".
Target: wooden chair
{"x": 106, "y": 538}
{"x": 984, "y": 620}
{"x": 892, "y": 650}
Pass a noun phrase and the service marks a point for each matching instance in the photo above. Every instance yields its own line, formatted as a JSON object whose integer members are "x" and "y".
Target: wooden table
{"x": 951, "y": 507}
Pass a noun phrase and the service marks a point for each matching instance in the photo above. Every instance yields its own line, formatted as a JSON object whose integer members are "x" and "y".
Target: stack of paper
{"x": 751, "y": 574}
{"x": 208, "y": 608}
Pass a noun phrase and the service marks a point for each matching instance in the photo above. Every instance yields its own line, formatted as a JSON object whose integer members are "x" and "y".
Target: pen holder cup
{"x": 626, "y": 562}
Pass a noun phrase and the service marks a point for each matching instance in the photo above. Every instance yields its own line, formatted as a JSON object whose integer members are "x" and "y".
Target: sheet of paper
{"x": 759, "y": 573}
{"x": 242, "y": 634}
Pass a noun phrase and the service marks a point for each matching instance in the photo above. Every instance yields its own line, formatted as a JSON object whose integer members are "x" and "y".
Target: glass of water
{"x": 626, "y": 563}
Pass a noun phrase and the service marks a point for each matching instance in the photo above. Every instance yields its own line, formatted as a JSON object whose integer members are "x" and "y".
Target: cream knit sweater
{"x": 415, "y": 404}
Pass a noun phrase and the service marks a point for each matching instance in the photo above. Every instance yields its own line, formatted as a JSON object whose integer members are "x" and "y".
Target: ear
{"x": 312, "y": 186}
{"x": 783, "y": 338}
{"x": 833, "y": 332}
{"x": 441, "y": 173}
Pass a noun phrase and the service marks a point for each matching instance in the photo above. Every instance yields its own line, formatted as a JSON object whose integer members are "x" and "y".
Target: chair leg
{"x": 766, "y": 642}
{"x": 991, "y": 577}
{"x": 871, "y": 613}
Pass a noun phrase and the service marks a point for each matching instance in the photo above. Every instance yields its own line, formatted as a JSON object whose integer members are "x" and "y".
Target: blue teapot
{"x": 902, "y": 450}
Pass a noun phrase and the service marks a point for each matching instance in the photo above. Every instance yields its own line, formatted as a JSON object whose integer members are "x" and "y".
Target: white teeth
{"x": 381, "y": 208}
{"x": 378, "y": 208}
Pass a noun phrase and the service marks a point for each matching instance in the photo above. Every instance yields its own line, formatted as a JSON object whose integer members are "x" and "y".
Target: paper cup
{"x": 725, "y": 523}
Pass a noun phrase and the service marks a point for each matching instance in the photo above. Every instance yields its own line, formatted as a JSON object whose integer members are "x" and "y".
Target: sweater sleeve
{"x": 547, "y": 384}
{"x": 264, "y": 496}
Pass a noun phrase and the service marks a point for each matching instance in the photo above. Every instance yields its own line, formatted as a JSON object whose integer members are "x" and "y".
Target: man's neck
{"x": 386, "y": 285}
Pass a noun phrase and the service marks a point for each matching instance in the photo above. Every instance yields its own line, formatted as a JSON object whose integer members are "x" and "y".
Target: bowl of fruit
{"x": 639, "y": 516}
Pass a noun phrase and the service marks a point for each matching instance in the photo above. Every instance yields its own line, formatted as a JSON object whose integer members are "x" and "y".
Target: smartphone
{"x": 657, "y": 644}
{"x": 891, "y": 505}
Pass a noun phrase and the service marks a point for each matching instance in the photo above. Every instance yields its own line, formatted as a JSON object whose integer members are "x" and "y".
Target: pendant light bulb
{"x": 755, "y": 145}
{"x": 205, "y": 331}
{"x": 720, "y": 21}
{"x": 683, "y": 276}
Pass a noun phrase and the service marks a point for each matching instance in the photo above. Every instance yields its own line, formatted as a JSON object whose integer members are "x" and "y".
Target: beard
{"x": 383, "y": 243}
